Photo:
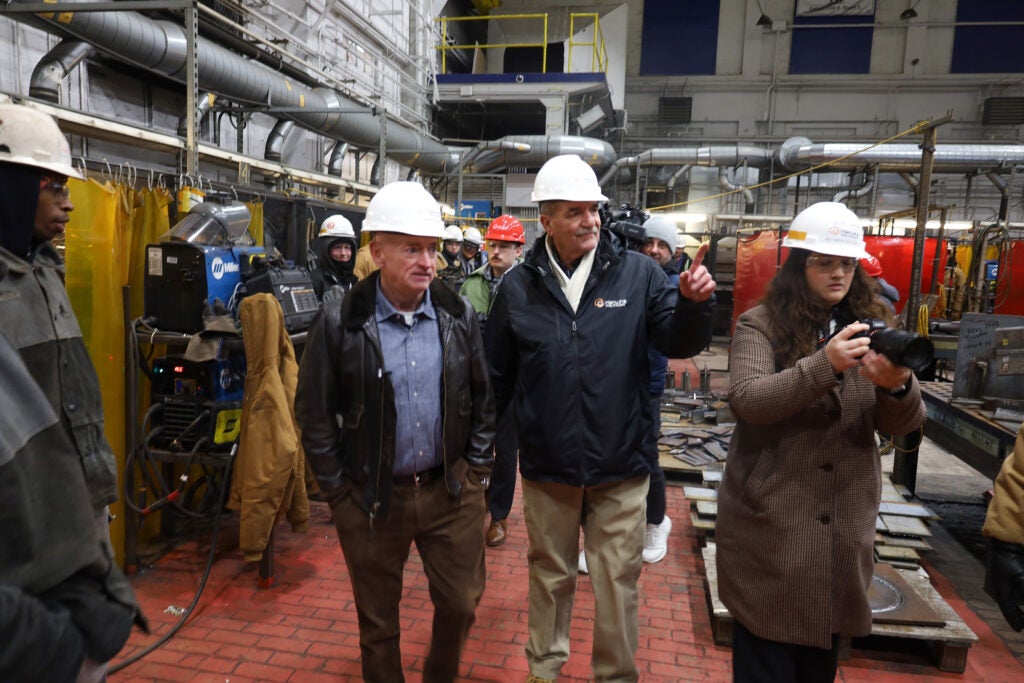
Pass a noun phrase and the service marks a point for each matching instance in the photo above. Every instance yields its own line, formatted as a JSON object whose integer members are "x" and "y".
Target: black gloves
{"x": 1004, "y": 580}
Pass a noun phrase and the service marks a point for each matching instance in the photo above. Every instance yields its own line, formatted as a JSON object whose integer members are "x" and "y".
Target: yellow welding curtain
{"x": 256, "y": 221}
{"x": 150, "y": 220}
{"x": 96, "y": 269}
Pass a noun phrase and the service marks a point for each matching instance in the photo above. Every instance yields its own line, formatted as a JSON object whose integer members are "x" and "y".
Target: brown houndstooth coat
{"x": 800, "y": 494}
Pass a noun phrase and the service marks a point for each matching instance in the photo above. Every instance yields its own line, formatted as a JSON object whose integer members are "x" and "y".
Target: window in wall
{"x": 832, "y": 49}
{"x": 680, "y": 37}
{"x": 988, "y": 49}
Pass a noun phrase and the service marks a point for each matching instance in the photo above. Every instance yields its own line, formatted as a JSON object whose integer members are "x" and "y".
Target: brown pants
{"x": 449, "y": 535}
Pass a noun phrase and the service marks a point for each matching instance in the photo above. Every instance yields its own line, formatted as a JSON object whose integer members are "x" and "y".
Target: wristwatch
{"x": 900, "y": 391}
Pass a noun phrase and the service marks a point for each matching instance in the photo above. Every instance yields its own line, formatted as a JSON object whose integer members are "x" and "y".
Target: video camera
{"x": 626, "y": 223}
{"x": 901, "y": 347}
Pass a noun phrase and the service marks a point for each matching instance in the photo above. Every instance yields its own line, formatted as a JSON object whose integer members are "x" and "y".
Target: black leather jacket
{"x": 342, "y": 379}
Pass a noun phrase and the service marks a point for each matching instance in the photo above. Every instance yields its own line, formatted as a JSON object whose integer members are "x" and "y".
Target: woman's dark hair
{"x": 797, "y": 316}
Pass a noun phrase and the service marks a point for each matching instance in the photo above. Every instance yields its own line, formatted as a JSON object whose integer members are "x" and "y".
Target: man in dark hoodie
{"x": 57, "y": 471}
{"x": 335, "y": 249}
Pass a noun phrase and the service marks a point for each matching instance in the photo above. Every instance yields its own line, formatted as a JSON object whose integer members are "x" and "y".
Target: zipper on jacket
{"x": 445, "y": 345}
{"x": 380, "y": 439}
{"x": 574, "y": 328}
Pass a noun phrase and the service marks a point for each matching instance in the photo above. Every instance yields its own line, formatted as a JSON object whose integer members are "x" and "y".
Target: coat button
{"x": 826, "y": 467}
{"x": 72, "y": 407}
{"x": 824, "y": 519}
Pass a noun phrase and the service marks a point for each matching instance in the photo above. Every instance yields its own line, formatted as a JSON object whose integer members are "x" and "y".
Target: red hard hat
{"x": 506, "y": 228}
{"x": 871, "y": 266}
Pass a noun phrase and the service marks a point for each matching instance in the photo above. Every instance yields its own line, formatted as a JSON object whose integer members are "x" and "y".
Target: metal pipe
{"x": 869, "y": 183}
{"x": 337, "y": 158}
{"x": 275, "y": 141}
{"x": 203, "y": 104}
{"x": 55, "y": 66}
{"x": 723, "y": 180}
{"x": 1004, "y": 195}
{"x": 799, "y": 153}
{"x": 715, "y": 155}
{"x": 674, "y": 178}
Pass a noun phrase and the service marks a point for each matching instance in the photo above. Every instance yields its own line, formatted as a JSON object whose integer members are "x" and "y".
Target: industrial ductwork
{"x": 55, "y": 66}
{"x": 533, "y": 150}
{"x": 161, "y": 46}
{"x": 798, "y": 153}
{"x": 716, "y": 155}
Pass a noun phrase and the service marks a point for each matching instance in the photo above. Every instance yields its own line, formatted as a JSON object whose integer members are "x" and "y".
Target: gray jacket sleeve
{"x": 40, "y": 644}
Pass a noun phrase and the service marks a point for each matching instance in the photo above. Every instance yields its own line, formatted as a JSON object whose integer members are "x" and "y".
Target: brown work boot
{"x": 530, "y": 678}
{"x": 497, "y": 532}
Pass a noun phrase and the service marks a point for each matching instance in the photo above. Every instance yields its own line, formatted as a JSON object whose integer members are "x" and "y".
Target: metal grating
{"x": 674, "y": 111}
{"x": 1003, "y": 111}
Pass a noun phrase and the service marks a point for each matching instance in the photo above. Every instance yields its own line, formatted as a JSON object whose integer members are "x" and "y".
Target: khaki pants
{"x": 449, "y": 535}
{"x": 612, "y": 517}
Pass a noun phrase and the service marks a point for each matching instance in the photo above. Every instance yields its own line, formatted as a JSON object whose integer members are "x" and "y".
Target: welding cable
{"x": 133, "y": 458}
{"x": 173, "y": 496}
{"x": 176, "y": 443}
{"x": 202, "y": 583}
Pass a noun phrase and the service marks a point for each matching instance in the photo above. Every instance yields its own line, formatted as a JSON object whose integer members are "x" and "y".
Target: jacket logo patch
{"x": 610, "y": 303}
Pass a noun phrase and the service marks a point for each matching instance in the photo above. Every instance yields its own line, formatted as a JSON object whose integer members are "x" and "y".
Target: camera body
{"x": 901, "y": 347}
{"x": 627, "y": 223}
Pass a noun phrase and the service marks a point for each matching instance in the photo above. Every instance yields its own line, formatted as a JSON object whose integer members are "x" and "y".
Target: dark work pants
{"x": 449, "y": 535}
{"x": 656, "y": 494}
{"x": 503, "y": 475}
{"x": 756, "y": 660}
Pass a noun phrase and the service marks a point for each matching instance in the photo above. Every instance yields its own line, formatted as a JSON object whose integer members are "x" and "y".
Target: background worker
{"x": 505, "y": 239}
{"x": 472, "y": 256}
{"x": 37, "y": 318}
{"x": 567, "y": 341}
{"x": 397, "y": 421}
{"x": 335, "y": 249}
{"x": 364, "y": 261}
{"x": 801, "y": 489}
{"x": 873, "y": 268}
{"x": 451, "y": 273}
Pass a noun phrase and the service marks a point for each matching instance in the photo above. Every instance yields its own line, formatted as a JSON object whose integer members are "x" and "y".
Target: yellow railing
{"x": 598, "y": 53}
{"x": 444, "y": 47}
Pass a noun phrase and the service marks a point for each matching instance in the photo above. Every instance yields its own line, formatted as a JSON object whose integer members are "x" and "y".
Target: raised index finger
{"x": 699, "y": 258}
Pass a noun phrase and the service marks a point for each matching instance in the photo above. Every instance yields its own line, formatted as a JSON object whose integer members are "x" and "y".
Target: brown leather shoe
{"x": 497, "y": 532}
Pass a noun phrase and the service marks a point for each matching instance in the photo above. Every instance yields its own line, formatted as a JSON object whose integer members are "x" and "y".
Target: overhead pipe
{"x": 748, "y": 195}
{"x": 55, "y": 66}
{"x": 337, "y": 158}
{"x": 674, "y": 178}
{"x": 275, "y": 141}
{"x": 161, "y": 46}
{"x": 799, "y": 153}
{"x": 534, "y": 150}
{"x": 854, "y": 193}
{"x": 203, "y": 104}
{"x": 715, "y": 155}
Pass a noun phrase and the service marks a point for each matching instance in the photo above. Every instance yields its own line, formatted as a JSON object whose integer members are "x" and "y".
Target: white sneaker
{"x": 656, "y": 541}
{"x": 583, "y": 563}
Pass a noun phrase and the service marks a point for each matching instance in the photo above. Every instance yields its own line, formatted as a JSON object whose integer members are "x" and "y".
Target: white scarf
{"x": 572, "y": 287}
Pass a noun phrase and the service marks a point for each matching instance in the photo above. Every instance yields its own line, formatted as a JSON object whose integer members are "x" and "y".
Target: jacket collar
{"x": 609, "y": 251}
{"x": 361, "y": 302}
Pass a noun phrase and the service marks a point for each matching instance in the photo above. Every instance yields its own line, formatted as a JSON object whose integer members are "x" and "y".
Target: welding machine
{"x": 196, "y": 262}
{"x": 200, "y": 400}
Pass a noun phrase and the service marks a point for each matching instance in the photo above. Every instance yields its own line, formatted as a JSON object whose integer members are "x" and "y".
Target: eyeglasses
{"x": 827, "y": 264}
{"x": 58, "y": 187}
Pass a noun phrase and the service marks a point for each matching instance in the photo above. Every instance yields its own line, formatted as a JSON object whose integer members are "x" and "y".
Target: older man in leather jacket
{"x": 397, "y": 419}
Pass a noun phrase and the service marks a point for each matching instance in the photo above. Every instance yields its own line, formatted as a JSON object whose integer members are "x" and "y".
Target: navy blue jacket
{"x": 579, "y": 381}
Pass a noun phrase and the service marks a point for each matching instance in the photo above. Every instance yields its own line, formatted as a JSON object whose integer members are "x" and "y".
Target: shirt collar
{"x": 385, "y": 311}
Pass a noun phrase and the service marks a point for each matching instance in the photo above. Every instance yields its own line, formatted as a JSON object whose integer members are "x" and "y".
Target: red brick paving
{"x": 303, "y": 630}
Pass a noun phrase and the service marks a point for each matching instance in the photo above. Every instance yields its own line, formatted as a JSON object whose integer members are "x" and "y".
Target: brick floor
{"x": 304, "y": 628}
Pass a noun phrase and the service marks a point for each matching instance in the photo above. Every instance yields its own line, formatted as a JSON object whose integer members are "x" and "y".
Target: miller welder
{"x": 200, "y": 400}
{"x": 197, "y": 261}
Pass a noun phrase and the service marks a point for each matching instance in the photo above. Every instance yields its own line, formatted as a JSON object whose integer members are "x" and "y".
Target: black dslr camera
{"x": 901, "y": 347}
{"x": 626, "y": 223}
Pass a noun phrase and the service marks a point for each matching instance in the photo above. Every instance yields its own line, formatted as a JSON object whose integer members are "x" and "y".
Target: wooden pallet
{"x": 949, "y": 644}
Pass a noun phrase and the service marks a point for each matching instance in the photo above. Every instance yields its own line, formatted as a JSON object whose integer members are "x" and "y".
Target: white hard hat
{"x": 336, "y": 226}
{"x": 827, "y": 228}
{"x": 452, "y": 233}
{"x": 32, "y": 138}
{"x": 567, "y": 178}
{"x": 473, "y": 236}
{"x": 404, "y": 207}
{"x": 662, "y": 228}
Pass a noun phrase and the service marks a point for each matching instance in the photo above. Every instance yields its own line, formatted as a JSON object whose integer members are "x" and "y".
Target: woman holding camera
{"x": 800, "y": 494}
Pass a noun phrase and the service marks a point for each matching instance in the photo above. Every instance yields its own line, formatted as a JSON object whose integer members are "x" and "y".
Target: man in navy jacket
{"x": 567, "y": 344}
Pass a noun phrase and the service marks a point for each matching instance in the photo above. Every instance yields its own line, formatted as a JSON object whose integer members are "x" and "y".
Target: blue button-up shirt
{"x": 411, "y": 343}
